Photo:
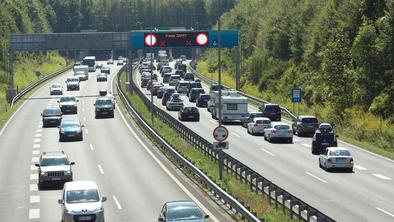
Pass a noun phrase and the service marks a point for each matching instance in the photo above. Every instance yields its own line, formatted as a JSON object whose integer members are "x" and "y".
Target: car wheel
{"x": 290, "y": 140}
{"x": 253, "y": 132}
{"x": 314, "y": 150}
{"x": 320, "y": 164}
{"x": 350, "y": 169}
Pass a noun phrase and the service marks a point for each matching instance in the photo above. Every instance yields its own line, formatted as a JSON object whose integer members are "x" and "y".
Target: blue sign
{"x": 296, "y": 94}
{"x": 183, "y": 39}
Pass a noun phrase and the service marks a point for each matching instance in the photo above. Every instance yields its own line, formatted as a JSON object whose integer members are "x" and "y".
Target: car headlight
{"x": 99, "y": 209}
{"x": 44, "y": 173}
{"x": 68, "y": 172}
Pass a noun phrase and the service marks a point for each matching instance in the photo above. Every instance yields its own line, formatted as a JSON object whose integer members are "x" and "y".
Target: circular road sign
{"x": 202, "y": 39}
{"x": 220, "y": 133}
{"x": 150, "y": 40}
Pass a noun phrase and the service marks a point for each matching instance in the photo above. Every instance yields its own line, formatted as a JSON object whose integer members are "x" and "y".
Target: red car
{"x": 189, "y": 113}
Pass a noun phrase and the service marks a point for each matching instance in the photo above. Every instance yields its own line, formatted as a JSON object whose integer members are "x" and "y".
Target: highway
{"x": 135, "y": 177}
{"x": 367, "y": 194}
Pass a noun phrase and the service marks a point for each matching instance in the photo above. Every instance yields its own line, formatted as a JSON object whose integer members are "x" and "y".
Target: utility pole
{"x": 220, "y": 94}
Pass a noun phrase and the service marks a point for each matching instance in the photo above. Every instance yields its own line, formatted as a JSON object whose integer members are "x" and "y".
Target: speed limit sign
{"x": 220, "y": 133}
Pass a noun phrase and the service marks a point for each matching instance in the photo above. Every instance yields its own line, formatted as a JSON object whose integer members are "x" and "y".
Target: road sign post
{"x": 296, "y": 94}
{"x": 220, "y": 134}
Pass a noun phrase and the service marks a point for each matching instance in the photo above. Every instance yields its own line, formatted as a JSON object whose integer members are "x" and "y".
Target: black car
{"x": 193, "y": 85}
{"x": 70, "y": 129}
{"x": 215, "y": 87}
{"x": 182, "y": 211}
{"x": 249, "y": 119}
{"x": 51, "y": 117}
{"x": 324, "y": 137}
{"x": 164, "y": 69}
{"x": 202, "y": 100}
{"x": 182, "y": 67}
{"x": 189, "y": 113}
{"x": 303, "y": 125}
{"x": 195, "y": 93}
{"x": 179, "y": 72}
{"x": 167, "y": 95}
{"x": 104, "y": 107}
{"x": 188, "y": 77}
{"x": 271, "y": 111}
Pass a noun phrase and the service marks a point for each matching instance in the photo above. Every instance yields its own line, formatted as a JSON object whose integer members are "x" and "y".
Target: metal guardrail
{"x": 257, "y": 182}
{"x": 252, "y": 98}
{"x": 34, "y": 84}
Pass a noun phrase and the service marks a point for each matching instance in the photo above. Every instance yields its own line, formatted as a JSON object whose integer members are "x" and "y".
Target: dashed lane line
{"x": 33, "y": 167}
{"x": 306, "y": 145}
{"x": 360, "y": 167}
{"x": 117, "y": 203}
{"x": 380, "y": 176}
{"x": 33, "y": 187}
{"x": 38, "y": 135}
{"x": 100, "y": 168}
{"x": 36, "y": 152}
{"x": 236, "y": 135}
{"x": 268, "y": 152}
{"x": 34, "y": 214}
{"x": 39, "y": 131}
{"x": 388, "y": 213}
{"x": 37, "y": 140}
{"x": 86, "y": 131}
{"x": 35, "y": 159}
{"x": 91, "y": 147}
{"x": 35, "y": 199}
{"x": 316, "y": 177}
{"x": 33, "y": 176}
{"x": 36, "y": 146}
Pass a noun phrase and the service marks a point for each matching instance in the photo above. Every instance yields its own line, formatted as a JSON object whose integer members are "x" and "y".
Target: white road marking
{"x": 295, "y": 139}
{"x": 262, "y": 149}
{"x": 316, "y": 177}
{"x": 84, "y": 119}
{"x": 39, "y": 130}
{"x": 83, "y": 102}
{"x": 213, "y": 121}
{"x": 100, "y": 168}
{"x": 380, "y": 176}
{"x": 236, "y": 135}
{"x": 33, "y": 167}
{"x": 187, "y": 192}
{"x": 34, "y": 176}
{"x": 34, "y": 213}
{"x": 35, "y": 159}
{"x": 117, "y": 203}
{"x": 91, "y": 147}
{"x": 359, "y": 167}
{"x": 86, "y": 131}
{"x": 34, "y": 199}
{"x": 33, "y": 187}
{"x": 381, "y": 210}
{"x": 306, "y": 145}
{"x": 37, "y": 140}
{"x": 35, "y": 146}
{"x": 39, "y": 126}
{"x": 36, "y": 152}
{"x": 38, "y": 135}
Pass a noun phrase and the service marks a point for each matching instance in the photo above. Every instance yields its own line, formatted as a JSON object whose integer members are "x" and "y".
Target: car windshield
{"x": 72, "y": 80}
{"x": 67, "y": 99}
{"x": 272, "y": 108}
{"x": 54, "y": 161}
{"x": 339, "y": 153}
{"x": 205, "y": 97}
{"x": 309, "y": 120}
{"x": 52, "y": 112}
{"x": 261, "y": 121}
{"x": 198, "y": 91}
{"x": 183, "y": 213}
{"x": 190, "y": 109}
{"x": 175, "y": 77}
{"x": 56, "y": 86}
{"x": 82, "y": 196}
{"x": 256, "y": 115}
{"x": 325, "y": 128}
{"x": 103, "y": 102}
{"x": 69, "y": 124}
{"x": 196, "y": 85}
{"x": 282, "y": 127}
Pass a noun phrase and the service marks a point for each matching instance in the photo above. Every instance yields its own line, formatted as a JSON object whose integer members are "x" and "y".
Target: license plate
{"x": 190, "y": 116}
{"x": 55, "y": 178}
{"x": 70, "y": 135}
{"x": 85, "y": 218}
{"x": 324, "y": 144}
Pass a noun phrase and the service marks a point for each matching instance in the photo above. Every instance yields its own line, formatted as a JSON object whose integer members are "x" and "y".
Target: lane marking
{"x": 381, "y": 210}
{"x": 39, "y": 130}
{"x": 262, "y": 149}
{"x": 359, "y": 167}
{"x": 91, "y": 147}
{"x": 236, "y": 135}
{"x": 380, "y": 176}
{"x": 33, "y": 167}
{"x": 38, "y": 135}
{"x": 117, "y": 203}
{"x": 35, "y": 146}
{"x": 161, "y": 165}
{"x": 34, "y": 176}
{"x": 35, "y": 159}
{"x": 34, "y": 199}
{"x": 306, "y": 145}
{"x": 213, "y": 121}
{"x": 39, "y": 126}
{"x": 84, "y": 119}
{"x": 100, "y": 168}
{"x": 34, "y": 214}
{"x": 296, "y": 140}
{"x": 36, "y": 152}
{"x": 86, "y": 131}
{"x": 33, "y": 187}
{"x": 37, "y": 140}
{"x": 316, "y": 177}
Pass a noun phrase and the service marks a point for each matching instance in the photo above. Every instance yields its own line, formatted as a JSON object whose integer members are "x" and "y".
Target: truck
{"x": 234, "y": 106}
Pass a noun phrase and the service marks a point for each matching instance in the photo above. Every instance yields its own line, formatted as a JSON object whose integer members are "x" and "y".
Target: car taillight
{"x": 273, "y": 130}
{"x": 351, "y": 160}
{"x": 256, "y": 124}
{"x": 290, "y": 131}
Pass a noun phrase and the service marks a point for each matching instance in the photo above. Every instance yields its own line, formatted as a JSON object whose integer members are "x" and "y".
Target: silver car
{"x": 336, "y": 158}
{"x": 56, "y": 89}
{"x": 185, "y": 210}
{"x": 54, "y": 168}
{"x": 279, "y": 131}
{"x": 258, "y": 125}
{"x": 174, "y": 79}
{"x": 82, "y": 201}
{"x": 175, "y": 102}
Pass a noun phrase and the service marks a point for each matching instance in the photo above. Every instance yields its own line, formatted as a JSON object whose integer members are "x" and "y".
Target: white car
{"x": 258, "y": 125}
{"x": 82, "y": 201}
{"x": 279, "y": 131}
{"x": 336, "y": 157}
{"x": 56, "y": 89}
{"x": 81, "y": 75}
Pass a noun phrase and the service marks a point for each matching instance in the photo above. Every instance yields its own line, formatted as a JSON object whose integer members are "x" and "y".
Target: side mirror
{"x": 37, "y": 165}
{"x": 72, "y": 163}
{"x": 57, "y": 101}
{"x": 161, "y": 219}
{"x": 77, "y": 100}
{"x": 82, "y": 125}
{"x": 103, "y": 199}
{"x": 337, "y": 136}
{"x": 41, "y": 114}
{"x": 60, "y": 201}
{"x": 58, "y": 126}
{"x": 94, "y": 104}
{"x": 206, "y": 216}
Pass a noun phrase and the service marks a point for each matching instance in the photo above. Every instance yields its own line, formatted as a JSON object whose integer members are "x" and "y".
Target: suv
{"x": 70, "y": 128}
{"x": 304, "y": 125}
{"x": 54, "y": 168}
{"x": 195, "y": 93}
{"x": 82, "y": 201}
{"x": 167, "y": 95}
{"x": 51, "y": 117}
{"x": 188, "y": 77}
{"x": 271, "y": 111}
{"x": 104, "y": 107}
{"x": 68, "y": 104}
{"x": 324, "y": 137}
{"x": 72, "y": 83}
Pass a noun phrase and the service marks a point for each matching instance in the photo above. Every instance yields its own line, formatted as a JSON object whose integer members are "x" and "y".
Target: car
{"x": 258, "y": 125}
{"x": 202, "y": 100}
{"x": 305, "y": 125}
{"x": 81, "y": 75}
{"x": 105, "y": 70}
{"x": 179, "y": 72}
{"x": 175, "y": 102}
{"x": 161, "y": 91}
{"x": 119, "y": 62}
{"x": 324, "y": 137}
{"x": 278, "y": 131}
{"x": 183, "y": 58}
{"x": 174, "y": 79}
{"x": 336, "y": 158}
{"x": 182, "y": 87}
{"x": 167, "y": 95}
{"x": 165, "y": 69}
{"x": 249, "y": 119}
{"x": 110, "y": 61}
{"x": 155, "y": 88}
{"x": 195, "y": 93}
{"x": 144, "y": 82}
{"x": 82, "y": 201}
{"x": 215, "y": 87}
{"x": 56, "y": 89}
{"x": 150, "y": 83}
{"x": 110, "y": 96}
{"x": 188, "y": 77}
{"x": 51, "y": 117}
{"x": 54, "y": 168}
{"x": 68, "y": 104}
{"x": 185, "y": 210}
{"x": 166, "y": 77}
{"x": 72, "y": 83}
{"x": 145, "y": 75}
{"x": 192, "y": 85}
{"x": 70, "y": 128}
{"x": 101, "y": 77}
{"x": 99, "y": 65}
{"x": 104, "y": 107}
{"x": 103, "y": 92}
{"x": 271, "y": 111}
{"x": 189, "y": 113}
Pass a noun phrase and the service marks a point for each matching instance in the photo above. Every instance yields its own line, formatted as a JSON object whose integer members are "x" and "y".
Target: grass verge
{"x": 257, "y": 202}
